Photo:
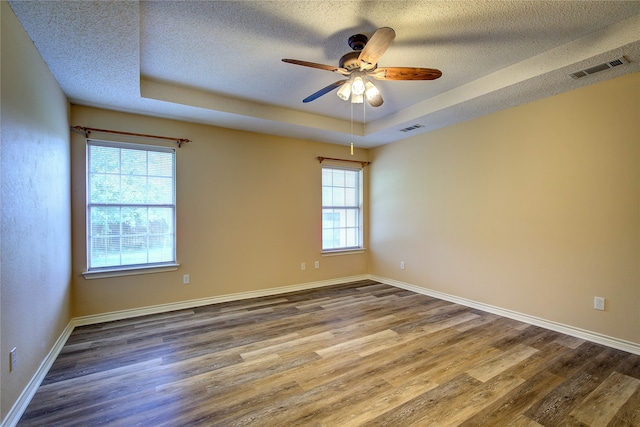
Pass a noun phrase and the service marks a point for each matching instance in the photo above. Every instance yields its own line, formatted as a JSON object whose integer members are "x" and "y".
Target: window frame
{"x": 359, "y": 248}
{"x": 128, "y": 269}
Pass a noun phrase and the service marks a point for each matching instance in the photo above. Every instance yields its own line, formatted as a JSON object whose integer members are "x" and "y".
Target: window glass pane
{"x": 338, "y": 178}
{"x": 351, "y": 237}
{"x": 161, "y": 235}
{"x": 134, "y": 221}
{"x": 105, "y": 236}
{"x": 330, "y": 218}
{"x": 135, "y": 256}
{"x": 134, "y": 189}
{"x": 333, "y": 239}
{"x": 327, "y": 177}
{"x": 105, "y": 251}
{"x": 160, "y": 190}
{"x": 104, "y": 159}
{"x": 104, "y": 188}
{"x": 327, "y": 241}
{"x": 327, "y": 196}
{"x": 134, "y": 162}
{"x": 160, "y": 221}
{"x": 105, "y": 221}
{"x": 343, "y": 237}
{"x": 351, "y": 197}
{"x": 338, "y": 196}
{"x": 351, "y": 179}
{"x": 351, "y": 218}
{"x": 160, "y": 164}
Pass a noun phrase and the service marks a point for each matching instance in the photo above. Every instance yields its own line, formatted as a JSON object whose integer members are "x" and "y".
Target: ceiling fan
{"x": 361, "y": 64}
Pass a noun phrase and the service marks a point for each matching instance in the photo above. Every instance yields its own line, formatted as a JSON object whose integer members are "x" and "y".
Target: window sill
{"x": 116, "y": 272}
{"x": 337, "y": 252}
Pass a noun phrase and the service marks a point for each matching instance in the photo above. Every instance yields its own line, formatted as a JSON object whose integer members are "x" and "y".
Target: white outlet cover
{"x": 598, "y": 303}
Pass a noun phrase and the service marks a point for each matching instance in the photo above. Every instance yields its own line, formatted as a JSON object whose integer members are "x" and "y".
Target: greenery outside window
{"x": 131, "y": 211}
{"x": 341, "y": 209}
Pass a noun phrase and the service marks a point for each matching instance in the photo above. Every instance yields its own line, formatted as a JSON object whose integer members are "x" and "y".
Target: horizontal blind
{"x": 131, "y": 204}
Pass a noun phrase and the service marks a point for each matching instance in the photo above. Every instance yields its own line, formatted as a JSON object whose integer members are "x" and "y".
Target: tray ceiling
{"x": 219, "y": 62}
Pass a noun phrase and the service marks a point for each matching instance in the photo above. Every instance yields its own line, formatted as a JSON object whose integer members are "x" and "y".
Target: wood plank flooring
{"x": 359, "y": 354}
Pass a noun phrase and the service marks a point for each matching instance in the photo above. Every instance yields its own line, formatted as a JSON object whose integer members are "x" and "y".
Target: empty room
{"x": 312, "y": 213}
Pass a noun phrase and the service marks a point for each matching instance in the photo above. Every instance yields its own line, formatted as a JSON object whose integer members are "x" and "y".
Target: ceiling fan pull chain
{"x": 364, "y": 119}
{"x": 351, "y": 104}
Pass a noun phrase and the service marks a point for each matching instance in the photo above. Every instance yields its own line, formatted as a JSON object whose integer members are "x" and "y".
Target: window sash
{"x": 130, "y": 225}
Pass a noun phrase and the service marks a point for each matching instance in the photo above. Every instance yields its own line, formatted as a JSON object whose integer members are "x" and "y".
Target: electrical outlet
{"x": 598, "y": 303}
{"x": 317, "y": 264}
{"x": 13, "y": 359}
{"x": 186, "y": 279}
{"x": 303, "y": 266}
{"x": 401, "y": 265}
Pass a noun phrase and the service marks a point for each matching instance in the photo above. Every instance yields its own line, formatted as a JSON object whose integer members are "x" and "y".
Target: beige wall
{"x": 36, "y": 229}
{"x": 535, "y": 209}
{"x": 248, "y": 214}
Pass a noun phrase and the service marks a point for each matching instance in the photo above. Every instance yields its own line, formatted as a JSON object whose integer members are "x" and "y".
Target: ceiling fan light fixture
{"x": 370, "y": 90}
{"x": 358, "y": 86}
{"x": 357, "y": 99}
{"x": 373, "y": 94}
{"x": 345, "y": 91}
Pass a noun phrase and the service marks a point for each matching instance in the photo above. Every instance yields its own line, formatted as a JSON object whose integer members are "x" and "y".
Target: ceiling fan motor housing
{"x": 349, "y": 61}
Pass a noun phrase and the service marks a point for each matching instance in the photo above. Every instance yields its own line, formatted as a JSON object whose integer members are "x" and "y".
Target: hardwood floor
{"x": 360, "y": 354}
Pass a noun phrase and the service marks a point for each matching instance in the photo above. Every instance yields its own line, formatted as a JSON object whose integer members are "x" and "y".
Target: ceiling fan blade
{"x": 324, "y": 91}
{"x": 405, "y": 73}
{"x": 376, "y": 47}
{"x": 343, "y": 71}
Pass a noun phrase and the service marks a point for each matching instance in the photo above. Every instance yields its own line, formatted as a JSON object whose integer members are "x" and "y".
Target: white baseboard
{"x": 25, "y": 397}
{"x": 595, "y": 337}
{"x": 183, "y": 305}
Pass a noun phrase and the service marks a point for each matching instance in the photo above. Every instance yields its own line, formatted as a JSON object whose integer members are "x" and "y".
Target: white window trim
{"x": 338, "y": 252}
{"x": 356, "y": 249}
{"x": 129, "y": 271}
{"x": 136, "y": 269}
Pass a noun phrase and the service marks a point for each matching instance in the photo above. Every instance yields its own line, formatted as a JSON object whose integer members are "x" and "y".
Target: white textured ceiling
{"x": 219, "y": 62}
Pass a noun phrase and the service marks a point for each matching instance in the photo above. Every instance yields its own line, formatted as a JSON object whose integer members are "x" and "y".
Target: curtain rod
{"x": 322, "y": 159}
{"x": 87, "y": 131}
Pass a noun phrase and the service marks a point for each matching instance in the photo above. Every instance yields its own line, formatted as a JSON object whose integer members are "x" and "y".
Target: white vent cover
{"x": 600, "y": 67}
{"x": 410, "y": 128}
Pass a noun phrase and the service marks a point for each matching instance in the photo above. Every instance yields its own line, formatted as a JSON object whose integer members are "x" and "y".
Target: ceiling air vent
{"x": 600, "y": 67}
{"x": 410, "y": 128}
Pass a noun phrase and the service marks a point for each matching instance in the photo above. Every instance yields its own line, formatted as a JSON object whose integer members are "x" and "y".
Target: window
{"x": 130, "y": 205}
{"x": 341, "y": 209}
